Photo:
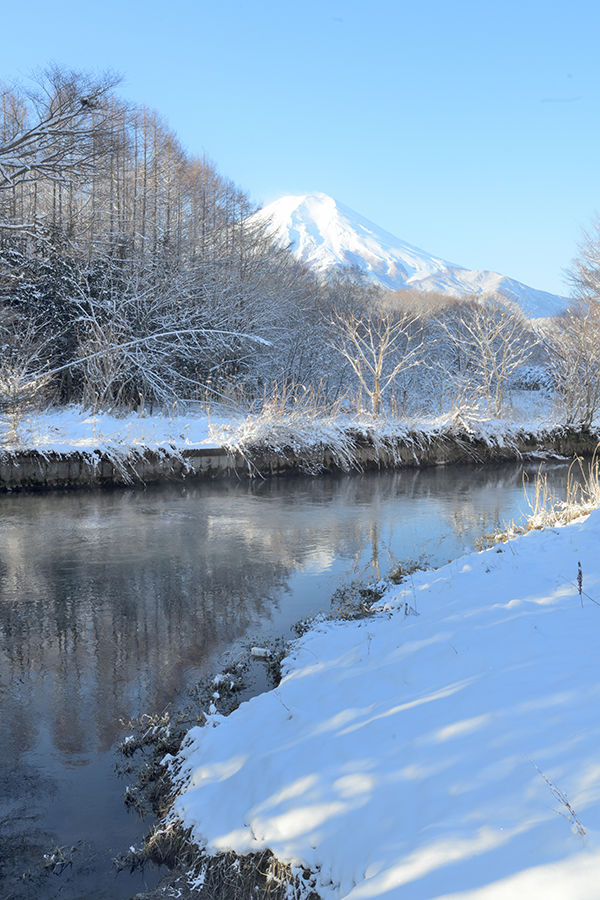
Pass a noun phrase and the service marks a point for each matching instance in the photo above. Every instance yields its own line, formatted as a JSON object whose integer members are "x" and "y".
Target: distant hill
{"x": 327, "y": 234}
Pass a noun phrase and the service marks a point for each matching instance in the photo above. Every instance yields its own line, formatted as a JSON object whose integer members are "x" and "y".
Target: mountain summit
{"x": 326, "y": 234}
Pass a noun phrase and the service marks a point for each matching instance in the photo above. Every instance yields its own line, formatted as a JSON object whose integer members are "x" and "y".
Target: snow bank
{"x": 73, "y": 428}
{"x": 445, "y": 748}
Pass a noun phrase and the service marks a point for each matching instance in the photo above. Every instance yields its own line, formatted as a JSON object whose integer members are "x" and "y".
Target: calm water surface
{"x": 112, "y": 603}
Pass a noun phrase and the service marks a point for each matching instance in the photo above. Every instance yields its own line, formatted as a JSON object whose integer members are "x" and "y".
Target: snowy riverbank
{"x": 71, "y": 446}
{"x": 65, "y": 429}
{"x": 445, "y": 747}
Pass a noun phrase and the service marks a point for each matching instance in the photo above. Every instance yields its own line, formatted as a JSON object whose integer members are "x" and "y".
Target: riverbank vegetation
{"x": 135, "y": 277}
{"x": 546, "y": 510}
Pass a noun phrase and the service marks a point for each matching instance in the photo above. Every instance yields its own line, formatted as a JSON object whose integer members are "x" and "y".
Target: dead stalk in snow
{"x": 570, "y": 815}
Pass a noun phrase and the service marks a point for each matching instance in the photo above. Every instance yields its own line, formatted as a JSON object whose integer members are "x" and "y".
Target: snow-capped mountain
{"x": 326, "y": 234}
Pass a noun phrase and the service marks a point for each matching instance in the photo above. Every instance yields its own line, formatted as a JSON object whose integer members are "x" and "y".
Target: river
{"x": 112, "y": 603}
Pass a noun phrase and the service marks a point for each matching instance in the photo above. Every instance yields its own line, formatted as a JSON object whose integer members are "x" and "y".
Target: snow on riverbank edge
{"x": 452, "y": 754}
{"x": 74, "y": 428}
{"x": 71, "y": 446}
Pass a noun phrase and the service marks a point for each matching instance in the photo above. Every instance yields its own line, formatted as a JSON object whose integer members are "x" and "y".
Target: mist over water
{"x": 112, "y": 603}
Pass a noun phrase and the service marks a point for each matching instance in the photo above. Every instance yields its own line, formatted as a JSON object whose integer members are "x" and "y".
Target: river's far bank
{"x": 347, "y": 447}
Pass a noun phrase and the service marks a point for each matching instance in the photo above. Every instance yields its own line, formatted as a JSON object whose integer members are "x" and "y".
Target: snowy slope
{"x": 446, "y": 749}
{"x": 326, "y": 234}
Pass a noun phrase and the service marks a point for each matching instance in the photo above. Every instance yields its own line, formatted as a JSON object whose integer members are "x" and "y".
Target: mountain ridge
{"x": 326, "y": 234}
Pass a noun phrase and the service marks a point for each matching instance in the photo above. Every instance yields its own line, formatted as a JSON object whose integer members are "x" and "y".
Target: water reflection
{"x": 111, "y": 602}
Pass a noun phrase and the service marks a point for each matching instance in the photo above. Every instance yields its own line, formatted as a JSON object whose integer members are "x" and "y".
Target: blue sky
{"x": 469, "y": 129}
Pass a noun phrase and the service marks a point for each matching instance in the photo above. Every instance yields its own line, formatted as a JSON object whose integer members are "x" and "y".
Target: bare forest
{"x": 132, "y": 276}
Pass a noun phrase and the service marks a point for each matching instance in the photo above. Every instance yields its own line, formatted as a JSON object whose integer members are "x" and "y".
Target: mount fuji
{"x": 326, "y": 234}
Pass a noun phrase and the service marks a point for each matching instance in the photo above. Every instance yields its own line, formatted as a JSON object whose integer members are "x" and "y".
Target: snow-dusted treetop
{"x": 326, "y": 234}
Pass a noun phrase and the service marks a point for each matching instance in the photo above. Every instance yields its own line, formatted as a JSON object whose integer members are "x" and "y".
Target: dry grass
{"x": 546, "y": 510}
{"x": 582, "y": 496}
{"x": 223, "y": 876}
{"x": 403, "y": 569}
{"x": 259, "y": 876}
{"x": 293, "y": 421}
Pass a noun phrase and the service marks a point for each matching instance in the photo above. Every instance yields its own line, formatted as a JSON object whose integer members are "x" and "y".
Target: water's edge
{"x": 37, "y": 470}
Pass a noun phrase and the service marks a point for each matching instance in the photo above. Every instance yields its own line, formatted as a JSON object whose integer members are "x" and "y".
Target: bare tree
{"x": 573, "y": 344}
{"x": 573, "y": 338}
{"x": 153, "y": 341}
{"x": 379, "y": 347}
{"x": 24, "y": 376}
{"x": 54, "y": 134}
{"x": 584, "y": 272}
{"x": 487, "y": 341}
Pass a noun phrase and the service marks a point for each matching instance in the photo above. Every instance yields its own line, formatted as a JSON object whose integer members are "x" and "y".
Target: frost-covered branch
{"x": 56, "y": 132}
{"x": 378, "y": 347}
{"x": 488, "y": 340}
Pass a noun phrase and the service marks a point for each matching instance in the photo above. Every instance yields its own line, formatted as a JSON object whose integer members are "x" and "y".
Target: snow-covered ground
{"x": 74, "y": 428}
{"x": 447, "y": 747}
